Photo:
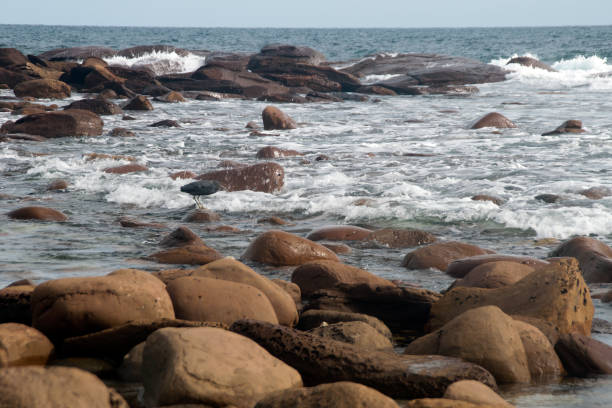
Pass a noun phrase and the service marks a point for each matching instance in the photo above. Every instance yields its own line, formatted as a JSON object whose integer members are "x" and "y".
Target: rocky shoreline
{"x": 216, "y": 333}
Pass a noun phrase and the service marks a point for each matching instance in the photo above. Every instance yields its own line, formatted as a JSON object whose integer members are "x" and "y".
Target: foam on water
{"x": 161, "y": 62}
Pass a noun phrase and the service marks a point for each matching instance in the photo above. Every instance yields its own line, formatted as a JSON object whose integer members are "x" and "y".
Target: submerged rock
{"x": 37, "y": 213}
{"x": 72, "y": 122}
{"x": 569, "y": 126}
{"x": 530, "y": 62}
{"x": 493, "y": 119}
{"x": 265, "y": 177}
{"x": 274, "y": 118}
{"x": 594, "y": 256}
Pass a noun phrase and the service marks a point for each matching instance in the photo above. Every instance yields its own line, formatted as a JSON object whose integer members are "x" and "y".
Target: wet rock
{"x": 596, "y": 193}
{"x": 57, "y": 184}
{"x": 138, "y": 103}
{"x": 252, "y": 125}
{"x": 15, "y": 304}
{"x": 475, "y": 392}
{"x": 98, "y": 106}
{"x": 104, "y": 156}
{"x": 440, "y": 403}
{"x": 357, "y": 333}
{"x": 108, "y": 94}
{"x": 37, "y": 213}
{"x": 544, "y": 364}
{"x": 274, "y": 221}
{"x": 607, "y": 297}
{"x": 322, "y": 157}
{"x": 140, "y": 50}
{"x": 265, "y": 177}
{"x": 484, "y": 197}
{"x": 72, "y": 122}
{"x": 274, "y": 118}
{"x": 494, "y": 275}
{"x": 292, "y": 290}
{"x": 42, "y": 88}
{"x": 530, "y": 62}
{"x": 127, "y": 168}
{"x": 401, "y": 238}
{"x": 271, "y": 152}
{"x": 11, "y": 56}
{"x": 246, "y": 83}
{"x": 461, "y": 267}
{"x": 75, "y": 306}
{"x": 338, "y": 248}
{"x": 184, "y": 174}
{"x": 23, "y": 345}
{"x": 170, "y": 97}
{"x": 594, "y": 256}
{"x": 211, "y": 366}
{"x": 321, "y": 360}
{"x": 583, "y": 356}
{"x": 341, "y": 394}
{"x": 340, "y": 233}
{"x": 95, "y": 77}
{"x": 122, "y": 132}
{"x": 548, "y": 198}
{"x": 281, "y": 248}
{"x": 77, "y": 53}
{"x": 185, "y": 247}
{"x": 569, "y": 126}
{"x": 440, "y": 255}
{"x": 132, "y": 223}
{"x": 201, "y": 215}
{"x": 314, "y": 318}
{"x": 166, "y": 123}
{"x": 25, "y": 387}
{"x": 12, "y": 78}
{"x": 556, "y": 293}
{"x": 493, "y": 119}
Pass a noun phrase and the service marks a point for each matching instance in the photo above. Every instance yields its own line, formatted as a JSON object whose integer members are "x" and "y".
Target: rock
{"x": 594, "y": 256}
{"x": 108, "y": 94}
{"x": 314, "y": 318}
{"x": 495, "y": 275}
{"x": 138, "y": 103}
{"x": 122, "y": 132}
{"x": 77, "y": 53}
{"x": 171, "y": 97}
{"x": 441, "y": 403}
{"x": 281, "y": 248}
{"x": 26, "y": 387}
{"x": 252, "y": 125}
{"x": 201, "y": 215}
{"x": 246, "y": 83}
{"x": 126, "y": 168}
{"x": 166, "y": 123}
{"x": 544, "y": 365}
{"x": 22, "y": 345}
{"x": 596, "y": 193}
{"x": 42, "y": 88}
{"x": 131, "y": 366}
{"x": 357, "y": 333}
{"x": 548, "y": 198}
{"x": 484, "y": 336}
{"x": 341, "y": 394}
{"x": 98, "y": 367}
{"x": 97, "y": 106}
{"x": 15, "y": 304}
{"x": 270, "y": 152}
{"x": 142, "y": 50}
{"x": 338, "y": 248}
{"x": 607, "y": 297}
{"x": 583, "y": 356}
{"x": 185, "y": 247}
{"x": 476, "y": 393}
{"x": 322, "y": 360}
{"x": 493, "y": 119}
{"x": 274, "y": 220}
{"x": 265, "y": 177}
{"x": 72, "y": 122}
{"x": 104, "y": 156}
{"x": 530, "y": 62}
{"x": 555, "y": 293}
{"x": 440, "y": 255}
{"x": 37, "y": 213}
{"x": 94, "y": 77}
{"x": 483, "y": 197}
{"x": 75, "y": 306}
{"x": 569, "y": 126}
{"x": 132, "y": 223}
{"x": 57, "y": 184}
{"x": 292, "y": 290}
{"x": 12, "y": 78}
{"x": 294, "y": 54}
{"x": 210, "y": 366}
{"x": 340, "y": 233}
{"x": 215, "y": 300}
{"x": 184, "y": 174}
{"x": 461, "y": 267}
{"x": 401, "y": 238}
{"x": 326, "y": 274}
{"x": 11, "y": 56}
{"x": 274, "y": 118}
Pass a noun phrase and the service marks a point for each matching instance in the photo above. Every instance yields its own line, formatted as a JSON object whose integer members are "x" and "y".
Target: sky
{"x": 309, "y": 13}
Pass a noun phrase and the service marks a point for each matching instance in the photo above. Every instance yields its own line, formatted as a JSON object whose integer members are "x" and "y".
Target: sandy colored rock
{"x": 495, "y": 275}
{"x": 265, "y": 177}
{"x": 475, "y": 392}
{"x": 461, "y": 267}
{"x": 23, "y": 345}
{"x": 495, "y": 120}
{"x": 313, "y": 318}
{"x": 357, "y": 333}
{"x": 210, "y": 366}
{"x": 440, "y": 255}
{"x": 274, "y": 118}
{"x": 43, "y": 88}
{"x": 544, "y": 364}
{"x": 340, "y": 233}
{"x": 594, "y": 256}
{"x": 138, "y": 103}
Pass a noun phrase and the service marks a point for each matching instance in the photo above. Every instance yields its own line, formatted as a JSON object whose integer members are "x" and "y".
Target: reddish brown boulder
{"x": 72, "y": 122}
{"x": 462, "y": 266}
{"x": 57, "y": 184}
{"x": 274, "y": 118}
{"x": 569, "y": 126}
{"x": 97, "y": 106}
{"x": 37, "y": 213}
{"x": 544, "y": 364}
{"x": 357, "y": 333}
{"x": 171, "y": 97}
{"x": 495, "y": 275}
{"x": 185, "y": 247}
{"x": 340, "y": 249}
{"x": 138, "y": 103}
{"x": 583, "y": 356}
{"x": 475, "y": 392}
{"x": 23, "y": 345}
{"x": 271, "y": 152}
{"x": 201, "y": 215}
{"x": 93, "y": 75}
{"x": 281, "y": 248}
{"x": 265, "y": 177}
{"x": 185, "y": 174}
{"x": 401, "y": 238}
{"x": 126, "y": 168}
{"x": 594, "y": 256}
{"x": 245, "y": 83}
{"x": 440, "y": 255}
{"x": 132, "y": 223}
{"x": 43, "y": 88}
{"x": 11, "y": 56}
{"x": 484, "y": 197}
{"x": 340, "y": 233}
{"x": 493, "y": 119}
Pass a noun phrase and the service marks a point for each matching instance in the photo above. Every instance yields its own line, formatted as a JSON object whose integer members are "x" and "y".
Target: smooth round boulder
{"x": 97, "y": 106}
{"x": 569, "y": 126}
{"x": 440, "y": 255}
{"x": 461, "y": 267}
{"x": 215, "y": 300}
{"x": 495, "y": 275}
{"x": 313, "y": 318}
{"x": 279, "y": 248}
{"x": 594, "y": 256}
{"x": 275, "y": 119}
{"x": 22, "y": 345}
{"x": 126, "y": 168}
{"x": 544, "y": 364}
{"x": 210, "y": 366}
{"x": 340, "y": 233}
{"x": 138, "y": 103}
{"x": 475, "y": 392}
{"x": 357, "y": 333}
{"x": 37, "y": 213}
{"x": 76, "y": 306}
{"x": 57, "y": 184}
{"x": 495, "y": 120}
{"x": 72, "y": 122}
{"x": 43, "y": 88}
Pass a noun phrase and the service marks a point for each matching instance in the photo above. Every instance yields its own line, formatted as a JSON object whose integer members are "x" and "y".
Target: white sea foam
{"x": 372, "y": 79}
{"x": 161, "y": 62}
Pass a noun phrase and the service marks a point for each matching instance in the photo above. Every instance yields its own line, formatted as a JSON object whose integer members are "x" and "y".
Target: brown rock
{"x": 132, "y": 223}
{"x": 493, "y": 119}
{"x": 180, "y": 237}
{"x": 211, "y": 366}
{"x": 171, "y": 97}
{"x": 484, "y": 197}
{"x": 315, "y": 318}
{"x": 26, "y": 387}
{"x": 594, "y": 256}
{"x": 265, "y": 177}
{"x": 97, "y": 106}
{"x": 12, "y": 78}
{"x": 556, "y": 293}
{"x": 201, "y": 215}
{"x": 15, "y": 304}
{"x": 138, "y": 103}
{"x": 104, "y": 156}
{"x": 166, "y": 123}
{"x": 569, "y": 126}
{"x": 357, "y": 333}
{"x": 596, "y": 193}
{"x": 271, "y": 152}
{"x": 185, "y": 174}
{"x": 126, "y": 168}
{"x": 342, "y": 394}
{"x": 57, "y": 184}
{"x": 338, "y": 248}
{"x": 484, "y": 336}
{"x": 441, "y": 403}
{"x": 11, "y": 56}
{"x": 340, "y": 233}
{"x": 252, "y": 125}
{"x": 72, "y": 122}
{"x": 292, "y": 290}
{"x": 43, "y": 88}
{"x": 23, "y": 345}
{"x": 440, "y": 255}
{"x": 122, "y": 132}
{"x": 607, "y": 297}
{"x": 37, "y": 213}
{"x": 401, "y": 238}
{"x": 281, "y": 248}
{"x": 544, "y": 365}
{"x": 273, "y": 220}
{"x": 530, "y": 62}
{"x": 583, "y": 356}
{"x": 185, "y": 247}
{"x": 475, "y": 392}
{"x": 74, "y": 306}
{"x": 274, "y": 118}
{"x": 461, "y": 267}
{"x": 495, "y": 275}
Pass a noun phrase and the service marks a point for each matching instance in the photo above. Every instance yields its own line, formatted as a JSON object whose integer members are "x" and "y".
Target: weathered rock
{"x": 583, "y": 356}
{"x": 265, "y": 177}
{"x": 314, "y": 318}
{"x": 77, "y": 53}
{"x": 246, "y": 83}
{"x": 596, "y": 193}
{"x": 11, "y": 56}
{"x": 211, "y": 366}
{"x": 75, "y": 306}
{"x": 271, "y": 152}
{"x": 138, "y": 103}
{"x": 166, "y": 123}
{"x": 43, "y": 88}
{"x": 131, "y": 366}
{"x": 294, "y": 54}
{"x": 98, "y": 106}
{"x": 94, "y": 76}
{"x": 281, "y": 248}
{"x": 326, "y": 274}
{"x": 493, "y": 119}
{"x": 132, "y": 223}
{"x": 475, "y": 392}
{"x": 26, "y": 387}
{"x": 341, "y": 394}
{"x": 440, "y": 255}
{"x": 441, "y": 403}
{"x": 462, "y": 266}
{"x": 72, "y": 122}
{"x": 37, "y": 213}
{"x": 185, "y": 247}
{"x": 12, "y": 78}
{"x": 126, "y": 168}
{"x": 494, "y": 275}
{"x": 292, "y": 290}
{"x": 57, "y": 184}
{"x": 484, "y": 336}
{"x": 170, "y": 97}
{"x": 484, "y": 197}
{"x": 15, "y": 304}
{"x": 594, "y": 256}
{"x": 548, "y": 198}
{"x": 555, "y": 293}
{"x": 530, "y": 62}
{"x": 569, "y": 126}
{"x": 321, "y": 360}
{"x": 274, "y": 118}
{"x": 201, "y": 215}
{"x": 357, "y": 333}
{"x": 338, "y": 248}
{"x": 122, "y": 132}
{"x": 23, "y": 345}
{"x": 340, "y": 233}
{"x": 401, "y": 238}
{"x": 544, "y": 364}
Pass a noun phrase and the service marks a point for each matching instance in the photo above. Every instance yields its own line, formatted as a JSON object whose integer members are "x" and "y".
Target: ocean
{"x": 371, "y": 147}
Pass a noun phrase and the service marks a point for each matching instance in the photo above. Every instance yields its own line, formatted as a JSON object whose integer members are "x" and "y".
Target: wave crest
{"x": 161, "y": 62}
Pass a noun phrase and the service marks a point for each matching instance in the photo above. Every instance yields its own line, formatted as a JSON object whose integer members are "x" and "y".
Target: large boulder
{"x": 495, "y": 275}
{"x": 322, "y": 360}
{"x": 210, "y": 366}
{"x": 274, "y": 118}
{"x": 43, "y": 88}
{"x": 74, "y": 306}
{"x": 11, "y": 56}
{"x": 555, "y": 293}
{"x": 495, "y": 120}
{"x": 281, "y": 248}
{"x": 594, "y": 256}
{"x": 138, "y": 103}
{"x": 314, "y": 318}
{"x": 569, "y": 126}
{"x": 77, "y": 53}
{"x": 475, "y": 392}
{"x": 583, "y": 356}
{"x": 544, "y": 364}
{"x": 289, "y": 53}
{"x": 37, "y": 213}
{"x": 357, "y": 333}
{"x": 97, "y": 105}
{"x": 530, "y": 62}
{"x": 216, "y": 300}
{"x": 72, "y": 122}
{"x": 15, "y": 304}
{"x": 340, "y": 233}
{"x": 265, "y": 177}
{"x": 183, "y": 246}
{"x": 439, "y": 255}
{"x": 93, "y": 76}
{"x": 341, "y": 394}
{"x": 55, "y": 387}
{"x": 463, "y": 266}
{"x": 13, "y": 78}
{"x": 245, "y": 83}
{"x": 23, "y": 345}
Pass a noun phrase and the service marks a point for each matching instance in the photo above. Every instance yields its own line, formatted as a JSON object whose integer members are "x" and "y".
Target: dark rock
{"x": 266, "y": 177}
{"x": 122, "y": 132}
{"x": 12, "y": 78}
{"x": 73, "y": 122}
{"x": 401, "y": 238}
{"x": 15, "y": 304}
{"x": 166, "y": 123}
{"x": 283, "y": 98}
{"x": 314, "y": 318}
{"x": 493, "y": 119}
{"x": 11, "y": 56}
{"x": 530, "y": 62}
{"x": 42, "y": 88}
{"x": 583, "y": 356}
{"x": 440, "y": 255}
{"x": 185, "y": 247}
{"x": 77, "y": 53}
{"x": 57, "y": 184}
{"x": 37, "y": 213}
{"x": 296, "y": 54}
{"x": 569, "y": 126}
{"x": 548, "y": 198}
{"x": 459, "y": 268}
{"x": 141, "y": 50}
{"x": 248, "y": 84}
{"x": 138, "y": 103}
{"x": 132, "y": 223}
{"x": 594, "y": 256}
{"x": 484, "y": 197}
{"x": 98, "y": 106}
